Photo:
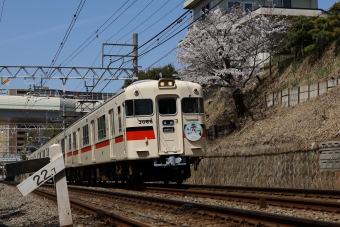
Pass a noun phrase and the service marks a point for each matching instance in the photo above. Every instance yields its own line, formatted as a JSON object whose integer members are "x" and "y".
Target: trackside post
{"x": 55, "y": 169}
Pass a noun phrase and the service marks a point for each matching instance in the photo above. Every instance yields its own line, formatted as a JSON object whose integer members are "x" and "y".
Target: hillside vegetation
{"x": 313, "y": 120}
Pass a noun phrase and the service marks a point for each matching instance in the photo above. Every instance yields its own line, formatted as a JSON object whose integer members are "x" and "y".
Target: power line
{"x": 75, "y": 16}
{"x": 74, "y": 19}
{"x": 131, "y": 19}
{"x": 97, "y": 35}
{"x": 161, "y": 58}
{"x": 2, "y": 9}
{"x": 151, "y": 15}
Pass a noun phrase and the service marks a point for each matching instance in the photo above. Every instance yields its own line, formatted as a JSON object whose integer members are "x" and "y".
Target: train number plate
{"x": 168, "y": 129}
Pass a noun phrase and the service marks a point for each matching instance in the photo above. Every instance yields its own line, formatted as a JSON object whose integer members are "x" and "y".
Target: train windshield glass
{"x": 167, "y": 106}
{"x": 138, "y": 107}
{"x": 192, "y": 105}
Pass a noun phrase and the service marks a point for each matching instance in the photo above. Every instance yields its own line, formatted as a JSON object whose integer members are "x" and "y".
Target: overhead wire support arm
{"x": 37, "y": 72}
{"x": 133, "y": 54}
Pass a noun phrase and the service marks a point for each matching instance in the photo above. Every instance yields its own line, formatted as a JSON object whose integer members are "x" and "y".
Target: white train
{"x": 151, "y": 131}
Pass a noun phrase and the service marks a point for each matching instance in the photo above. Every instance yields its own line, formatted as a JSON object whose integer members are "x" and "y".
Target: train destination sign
{"x": 168, "y": 129}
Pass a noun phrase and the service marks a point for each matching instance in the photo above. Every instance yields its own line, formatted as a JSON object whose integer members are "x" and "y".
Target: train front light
{"x": 166, "y": 83}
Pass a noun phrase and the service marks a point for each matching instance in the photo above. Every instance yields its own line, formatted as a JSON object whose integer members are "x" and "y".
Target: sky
{"x": 31, "y": 33}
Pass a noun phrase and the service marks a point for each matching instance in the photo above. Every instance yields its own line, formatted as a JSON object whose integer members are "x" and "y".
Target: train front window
{"x": 167, "y": 106}
{"x": 192, "y": 105}
{"x": 138, "y": 107}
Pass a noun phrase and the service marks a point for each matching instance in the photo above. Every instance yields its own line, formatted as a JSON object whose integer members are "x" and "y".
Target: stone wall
{"x": 285, "y": 166}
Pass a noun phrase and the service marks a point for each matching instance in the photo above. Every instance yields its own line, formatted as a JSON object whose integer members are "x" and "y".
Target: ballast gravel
{"x": 33, "y": 210}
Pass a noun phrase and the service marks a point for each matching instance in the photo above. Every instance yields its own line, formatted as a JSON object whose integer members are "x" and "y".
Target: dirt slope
{"x": 314, "y": 120}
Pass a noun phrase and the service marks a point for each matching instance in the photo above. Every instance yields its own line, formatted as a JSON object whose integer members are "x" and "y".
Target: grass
{"x": 2, "y": 206}
{"x": 295, "y": 65}
{"x": 296, "y": 82}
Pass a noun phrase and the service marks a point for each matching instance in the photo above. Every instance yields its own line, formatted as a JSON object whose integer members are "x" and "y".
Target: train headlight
{"x": 166, "y": 83}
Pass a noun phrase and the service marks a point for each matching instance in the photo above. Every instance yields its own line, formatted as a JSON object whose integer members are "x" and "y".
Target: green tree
{"x": 322, "y": 35}
{"x": 334, "y": 20}
{"x": 154, "y": 74}
{"x": 298, "y": 36}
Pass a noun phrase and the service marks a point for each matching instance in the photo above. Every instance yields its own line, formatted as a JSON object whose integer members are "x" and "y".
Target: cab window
{"x": 167, "y": 106}
{"x": 192, "y": 105}
{"x": 138, "y": 107}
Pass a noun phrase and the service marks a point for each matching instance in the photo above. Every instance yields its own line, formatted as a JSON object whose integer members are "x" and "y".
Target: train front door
{"x": 170, "y": 134}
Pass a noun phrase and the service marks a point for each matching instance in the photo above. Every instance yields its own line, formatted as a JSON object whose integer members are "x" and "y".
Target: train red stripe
{"x": 86, "y": 149}
{"x": 140, "y": 135}
{"x": 119, "y": 139}
{"x": 103, "y": 144}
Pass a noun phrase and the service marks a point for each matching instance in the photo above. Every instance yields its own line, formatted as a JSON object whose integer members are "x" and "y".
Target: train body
{"x": 151, "y": 131}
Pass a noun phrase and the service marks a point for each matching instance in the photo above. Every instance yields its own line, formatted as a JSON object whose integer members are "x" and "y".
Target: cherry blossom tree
{"x": 228, "y": 48}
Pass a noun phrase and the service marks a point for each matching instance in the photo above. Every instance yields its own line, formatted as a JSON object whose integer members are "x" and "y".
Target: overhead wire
{"x": 140, "y": 33}
{"x": 2, "y": 9}
{"x": 68, "y": 32}
{"x": 131, "y": 19}
{"x": 151, "y": 15}
{"x": 96, "y": 33}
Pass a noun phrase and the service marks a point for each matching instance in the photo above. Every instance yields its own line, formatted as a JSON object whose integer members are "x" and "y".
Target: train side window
{"x": 167, "y": 106}
{"x": 112, "y": 122}
{"x": 129, "y": 108}
{"x": 74, "y": 140}
{"x": 101, "y": 127}
{"x": 86, "y": 139}
{"x": 62, "y": 144}
{"x": 119, "y": 120}
{"x": 69, "y": 143}
{"x": 193, "y": 105}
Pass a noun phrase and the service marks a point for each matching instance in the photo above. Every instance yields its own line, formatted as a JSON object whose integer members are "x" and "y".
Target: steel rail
{"x": 318, "y": 205}
{"x": 254, "y": 217}
{"x": 312, "y": 192}
{"x": 95, "y": 210}
{"x": 117, "y": 219}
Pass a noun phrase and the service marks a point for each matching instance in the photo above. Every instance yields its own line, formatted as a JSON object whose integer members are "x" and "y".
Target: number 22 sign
{"x": 41, "y": 176}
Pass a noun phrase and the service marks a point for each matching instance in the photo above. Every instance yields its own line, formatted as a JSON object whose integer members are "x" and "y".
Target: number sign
{"x": 41, "y": 176}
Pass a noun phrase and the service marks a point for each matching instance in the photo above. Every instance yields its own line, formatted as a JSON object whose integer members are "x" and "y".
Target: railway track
{"x": 220, "y": 214}
{"x": 257, "y": 198}
{"x": 201, "y": 213}
{"x": 99, "y": 212}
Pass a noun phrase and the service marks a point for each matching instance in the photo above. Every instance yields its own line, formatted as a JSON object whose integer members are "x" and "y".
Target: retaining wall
{"x": 285, "y": 166}
{"x": 296, "y": 95}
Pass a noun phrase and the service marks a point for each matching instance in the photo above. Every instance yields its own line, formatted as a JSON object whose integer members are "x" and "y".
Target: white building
{"x": 287, "y": 7}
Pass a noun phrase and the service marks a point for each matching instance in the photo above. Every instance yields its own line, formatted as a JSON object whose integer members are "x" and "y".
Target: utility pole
{"x": 135, "y": 54}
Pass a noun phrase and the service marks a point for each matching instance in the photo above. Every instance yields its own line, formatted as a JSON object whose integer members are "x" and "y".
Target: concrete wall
{"x": 296, "y": 95}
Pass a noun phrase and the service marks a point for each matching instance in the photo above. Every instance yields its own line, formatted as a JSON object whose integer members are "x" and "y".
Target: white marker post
{"x": 56, "y": 169}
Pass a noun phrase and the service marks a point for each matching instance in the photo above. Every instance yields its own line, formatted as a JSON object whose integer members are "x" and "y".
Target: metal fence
{"x": 216, "y": 131}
